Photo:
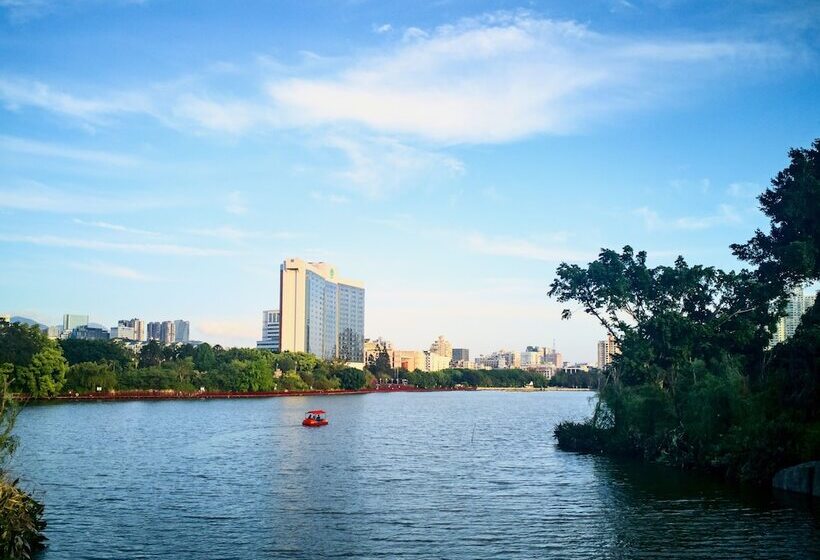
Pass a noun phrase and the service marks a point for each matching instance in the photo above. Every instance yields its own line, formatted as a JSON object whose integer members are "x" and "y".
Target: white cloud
{"x": 330, "y": 198}
{"x": 381, "y": 29}
{"x": 114, "y": 271}
{"x": 494, "y": 78}
{"x": 377, "y": 166}
{"x": 508, "y": 246}
{"x": 231, "y": 233}
{"x": 39, "y": 198}
{"x": 115, "y": 227}
{"x": 232, "y": 116}
{"x": 236, "y": 203}
{"x": 505, "y": 76}
{"x": 18, "y": 93}
{"x": 726, "y": 215}
{"x": 413, "y": 33}
{"x": 97, "y": 245}
{"x": 33, "y": 147}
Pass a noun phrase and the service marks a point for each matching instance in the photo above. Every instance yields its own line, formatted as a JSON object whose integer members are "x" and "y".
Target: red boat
{"x": 314, "y": 419}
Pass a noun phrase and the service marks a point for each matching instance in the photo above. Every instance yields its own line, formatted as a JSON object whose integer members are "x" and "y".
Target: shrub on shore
{"x": 21, "y": 522}
{"x": 21, "y": 516}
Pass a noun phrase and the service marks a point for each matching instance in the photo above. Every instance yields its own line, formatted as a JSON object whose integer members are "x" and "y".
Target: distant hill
{"x": 27, "y": 321}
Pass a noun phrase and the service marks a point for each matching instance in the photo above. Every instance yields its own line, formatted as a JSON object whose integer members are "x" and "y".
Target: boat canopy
{"x": 315, "y": 412}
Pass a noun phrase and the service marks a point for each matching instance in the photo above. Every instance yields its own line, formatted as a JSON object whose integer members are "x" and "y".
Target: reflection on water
{"x": 429, "y": 475}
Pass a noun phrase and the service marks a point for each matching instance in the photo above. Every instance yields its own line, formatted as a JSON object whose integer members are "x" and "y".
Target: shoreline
{"x": 149, "y": 395}
{"x": 531, "y": 389}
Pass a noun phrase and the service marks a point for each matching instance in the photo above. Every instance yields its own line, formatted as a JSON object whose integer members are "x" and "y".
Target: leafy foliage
{"x": 695, "y": 384}
{"x": 790, "y": 251}
{"x": 35, "y": 364}
{"x": 21, "y": 522}
{"x": 21, "y": 516}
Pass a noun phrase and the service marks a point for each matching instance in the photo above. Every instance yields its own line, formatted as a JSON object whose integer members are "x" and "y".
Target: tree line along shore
{"x": 697, "y": 382}
{"x": 40, "y": 368}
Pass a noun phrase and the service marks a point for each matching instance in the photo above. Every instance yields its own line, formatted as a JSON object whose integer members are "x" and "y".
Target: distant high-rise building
{"x": 167, "y": 332}
{"x": 122, "y": 332}
{"x": 182, "y": 331}
{"x": 797, "y": 304}
{"x": 461, "y": 357}
{"x": 320, "y": 313}
{"x": 155, "y": 330}
{"x": 606, "y": 350}
{"x": 71, "y": 322}
{"x": 442, "y": 347}
{"x": 137, "y": 324}
{"x": 271, "y": 322}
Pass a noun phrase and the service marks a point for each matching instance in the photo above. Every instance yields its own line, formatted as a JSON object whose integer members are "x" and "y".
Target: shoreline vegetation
{"x": 697, "y": 383}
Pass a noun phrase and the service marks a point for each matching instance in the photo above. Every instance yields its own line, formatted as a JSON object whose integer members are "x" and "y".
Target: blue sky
{"x": 160, "y": 159}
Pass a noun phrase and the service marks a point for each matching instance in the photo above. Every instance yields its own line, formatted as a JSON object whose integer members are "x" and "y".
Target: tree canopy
{"x": 695, "y": 382}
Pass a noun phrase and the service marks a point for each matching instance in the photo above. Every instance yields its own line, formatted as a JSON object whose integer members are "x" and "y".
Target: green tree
{"x": 38, "y": 367}
{"x": 286, "y": 363}
{"x": 352, "y": 379}
{"x": 204, "y": 357}
{"x": 87, "y": 376}
{"x": 790, "y": 252}
{"x": 380, "y": 364}
{"x": 151, "y": 354}
{"x": 77, "y": 351}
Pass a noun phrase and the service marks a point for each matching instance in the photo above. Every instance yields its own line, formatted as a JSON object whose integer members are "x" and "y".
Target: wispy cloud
{"x": 114, "y": 271}
{"x": 231, "y": 233}
{"x": 33, "y": 196}
{"x": 508, "y": 246}
{"x": 236, "y": 203}
{"x": 231, "y": 116}
{"x": 381, "y": 29}
{"x": 330, "y": 198}
{"x": 377, "y": 166}
{"x": 495, "y": 78}
{"x": 504, "y": 76}
{"x": 36, "y": 148}
{"x": 17, "y": 93}
{"x": 167, "y": 249}
{"x": 726, "y": 215}
{"x": 115, "y": 227}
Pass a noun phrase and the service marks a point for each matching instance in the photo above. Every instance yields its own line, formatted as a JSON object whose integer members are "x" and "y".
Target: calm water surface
{"x": 425, "y": 475}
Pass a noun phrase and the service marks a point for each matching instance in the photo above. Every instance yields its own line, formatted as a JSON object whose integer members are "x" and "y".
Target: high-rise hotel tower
{"x": 320, "y": 313}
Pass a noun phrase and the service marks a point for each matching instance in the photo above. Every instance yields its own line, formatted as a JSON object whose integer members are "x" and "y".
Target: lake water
{"x": 406, "y": 475}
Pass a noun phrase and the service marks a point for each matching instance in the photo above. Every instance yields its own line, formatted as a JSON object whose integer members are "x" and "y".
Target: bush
{"x": 21, "y": 522}
{"x": 584, "y": 437}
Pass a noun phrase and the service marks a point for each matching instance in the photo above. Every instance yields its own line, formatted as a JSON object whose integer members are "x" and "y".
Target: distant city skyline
{"x": 449, "y": 155}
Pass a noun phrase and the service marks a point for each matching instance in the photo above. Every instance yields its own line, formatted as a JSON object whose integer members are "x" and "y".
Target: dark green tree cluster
{"x": 185, "y": 368}
{"x": 34, "y": 365}
{"x": 696, "y": 383}
{"x": 512, "y": 378}
{"x": 40, "y": 368}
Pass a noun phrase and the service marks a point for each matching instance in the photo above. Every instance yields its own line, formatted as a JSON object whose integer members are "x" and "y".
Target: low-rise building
{"x": 435, "y": 362}
{"x": 85, "y": 332}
